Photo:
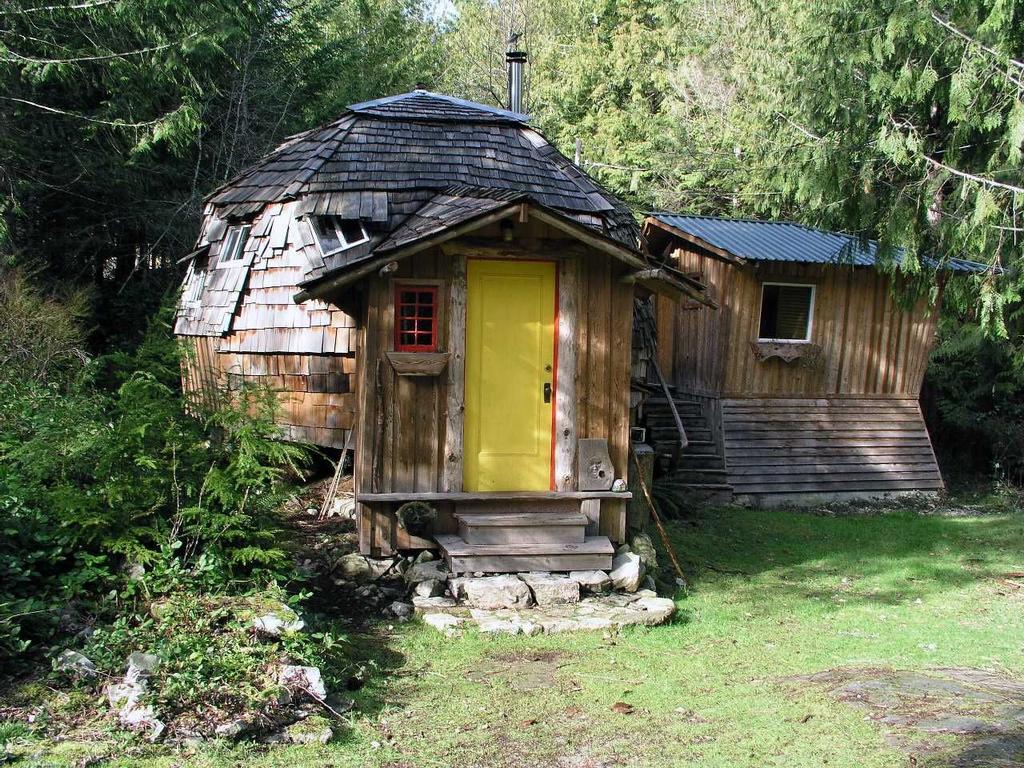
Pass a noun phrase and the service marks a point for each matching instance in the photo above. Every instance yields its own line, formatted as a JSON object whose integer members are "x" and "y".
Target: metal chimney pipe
{"x": 516, "y": 61}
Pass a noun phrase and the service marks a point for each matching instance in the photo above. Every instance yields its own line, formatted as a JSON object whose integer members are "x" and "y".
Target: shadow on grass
{"x": 902, "y": 554}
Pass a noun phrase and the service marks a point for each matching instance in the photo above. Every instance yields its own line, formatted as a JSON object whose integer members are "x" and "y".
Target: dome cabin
{"x": 428, "y": 280}
{"x": 803, "y": 386}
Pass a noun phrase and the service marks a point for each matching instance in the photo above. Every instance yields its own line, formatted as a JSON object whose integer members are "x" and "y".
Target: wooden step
{"x": 593, "y": 553}
{"x": 523, "y": 527}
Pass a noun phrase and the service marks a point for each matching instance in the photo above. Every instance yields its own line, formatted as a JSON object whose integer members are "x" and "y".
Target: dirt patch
{"x": 956, "y": 717}
{"x": 525, "y": 671}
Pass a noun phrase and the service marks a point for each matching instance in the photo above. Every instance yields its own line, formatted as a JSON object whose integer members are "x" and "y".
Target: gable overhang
{"x": 657, "y": 280}
{"x": 658, "y": 232}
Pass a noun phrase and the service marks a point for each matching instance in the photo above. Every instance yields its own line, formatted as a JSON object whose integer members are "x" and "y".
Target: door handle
{"x": 547, "y": 391}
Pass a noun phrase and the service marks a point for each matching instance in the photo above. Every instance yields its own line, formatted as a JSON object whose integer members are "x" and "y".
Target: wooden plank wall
{"x": 407, "y": 438}
{"x": 868, "y": 344}
{"x": 321, "y": 418}
{"x": 780, "y": 449}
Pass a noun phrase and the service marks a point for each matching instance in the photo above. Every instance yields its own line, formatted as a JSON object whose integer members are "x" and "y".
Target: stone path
{"x": 960, "y": 718}
{"x": 591, "y": 613}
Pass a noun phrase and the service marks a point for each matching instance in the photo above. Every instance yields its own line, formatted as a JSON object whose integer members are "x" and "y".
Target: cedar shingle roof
{"x": 413, "y": 147}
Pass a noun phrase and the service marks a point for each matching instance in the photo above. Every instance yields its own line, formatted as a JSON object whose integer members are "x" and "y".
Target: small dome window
{"x": 337, "y": 234}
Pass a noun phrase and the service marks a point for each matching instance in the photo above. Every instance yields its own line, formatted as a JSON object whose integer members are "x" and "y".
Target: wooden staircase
{"x": 515, "y": 539}
{"x": 700, "y": 472}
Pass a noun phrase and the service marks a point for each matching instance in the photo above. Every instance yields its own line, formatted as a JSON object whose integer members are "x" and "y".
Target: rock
{"x": 627, "y": 572}
{"x": 490, "y": 592}
{"x": 504, "y": 623}
{"x": 344, "y": 506}
{"x": 429, "y": 588}
{"x": 644, "y": 547}
{"x": 425, "y": 556}
{"x": 370, "y": 593}
{"x": 126, "y": 697}
{"x": 433, "y": 603}
{"x": 649, "y": 584}
{"x": 431, "y": 570}
{"x": 141, "y": 666}
{"x": 354, "y": 567}
{"x": 280, "y": 621}
{"x": 136, "y": 572}
{"x": 400, "y": 610}
{"x": 592, "y": 581}
{"x": 384, "y": 567}
{"x": 233, "y": 729}
{"x": 622, "y": 550}
{"x": 549, "y": 589}
{"x": 443, "y": 622}
{"x": 661, "y": 608}
{"x": 306, "y": 680}
{"x": 75, "y": 663}
{"x": 313, "y": 730}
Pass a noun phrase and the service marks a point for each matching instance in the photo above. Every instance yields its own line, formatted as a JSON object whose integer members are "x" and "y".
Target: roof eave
{"x": 349, "y": 274}
{"x": 653, "y": 221}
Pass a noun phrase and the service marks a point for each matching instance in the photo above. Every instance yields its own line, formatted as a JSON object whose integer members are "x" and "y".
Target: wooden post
{"x": 456, "y": 407}
{"x": 565, "y": 394}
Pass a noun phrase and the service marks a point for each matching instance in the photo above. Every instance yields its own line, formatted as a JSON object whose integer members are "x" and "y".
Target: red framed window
{"x": 416, "y": 318}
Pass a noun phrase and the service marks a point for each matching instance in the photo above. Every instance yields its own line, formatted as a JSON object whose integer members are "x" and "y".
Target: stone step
{"x": 593, "y": 554}
{"x": 702, "y": 461}
{"x": 523, "y": 527}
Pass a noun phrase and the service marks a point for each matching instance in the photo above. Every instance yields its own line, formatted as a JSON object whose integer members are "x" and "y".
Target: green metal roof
{"x": 754, "y": 240}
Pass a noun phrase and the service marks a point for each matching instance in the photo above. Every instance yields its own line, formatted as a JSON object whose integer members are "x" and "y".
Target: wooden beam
{"x": 714, "y": 250}
{"x": 371, "y": 498}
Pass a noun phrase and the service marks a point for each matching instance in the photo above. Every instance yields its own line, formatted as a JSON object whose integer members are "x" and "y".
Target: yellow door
{"x": 510, "y": 362}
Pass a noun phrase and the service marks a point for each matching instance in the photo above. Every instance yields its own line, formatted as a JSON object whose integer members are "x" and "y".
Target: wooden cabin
{"x": 803, "y": 385}
{"x": 432, "y": 274}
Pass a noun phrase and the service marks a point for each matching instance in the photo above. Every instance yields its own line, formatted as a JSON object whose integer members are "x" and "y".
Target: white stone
{"x": 662, "y": 607}
{"x": 592, "y": 581}
{"x": 428, "y": 603}
{"x": 303, "y": 679}
{"x": 429, "y": 588}
{"x": 442, "y": 622}
{"x": 549, "y": 589}
{"x": 431, "y": 570}
{"x": 232, "y": 729}
{"x": 140, "y": 666}
{"x": 627, "y": 572}
{"x": 491, "y": 592}
{"x": 401, "y": 610}
{"x": 76, "y": 663}
{"x": 504, "y": 623}
{"x": 280, "y": 622}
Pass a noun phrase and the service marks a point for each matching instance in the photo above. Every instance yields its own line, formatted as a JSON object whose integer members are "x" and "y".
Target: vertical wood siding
{"x": 410, "y": 428}
{"x": 869, "y": 346}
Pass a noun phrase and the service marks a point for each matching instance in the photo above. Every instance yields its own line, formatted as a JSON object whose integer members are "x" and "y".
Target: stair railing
{"x": 650, "y": 342}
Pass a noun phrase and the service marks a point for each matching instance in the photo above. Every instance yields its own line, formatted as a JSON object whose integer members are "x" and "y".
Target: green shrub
{"x": 974, "y": 401}
{"x": 102, "y": 469}
{"x": 210, "y": 658}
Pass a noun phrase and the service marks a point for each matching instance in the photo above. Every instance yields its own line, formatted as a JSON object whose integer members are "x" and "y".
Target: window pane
{"x": 327, "y": 233}
{"x": 785, "y": 312}
{"x": 352, "y": 230}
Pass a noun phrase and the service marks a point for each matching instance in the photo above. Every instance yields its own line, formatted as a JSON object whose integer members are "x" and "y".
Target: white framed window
{"x": 787, "y": 312}
{"x": 233, "y": 247}
{"x": 194, "y": 285}
{"x": 334, "y": 233}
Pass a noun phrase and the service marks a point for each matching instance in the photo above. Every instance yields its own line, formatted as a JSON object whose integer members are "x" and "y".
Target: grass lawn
{"x": 774, "y": 596}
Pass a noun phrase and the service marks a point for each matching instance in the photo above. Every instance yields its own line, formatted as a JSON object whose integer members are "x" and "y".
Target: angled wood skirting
{"x": 826, "y": 446}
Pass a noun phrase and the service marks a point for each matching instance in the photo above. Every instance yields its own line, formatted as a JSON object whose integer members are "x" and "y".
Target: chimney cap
{"x": 515, "y": 56}
{"x": 420, "y": 86}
